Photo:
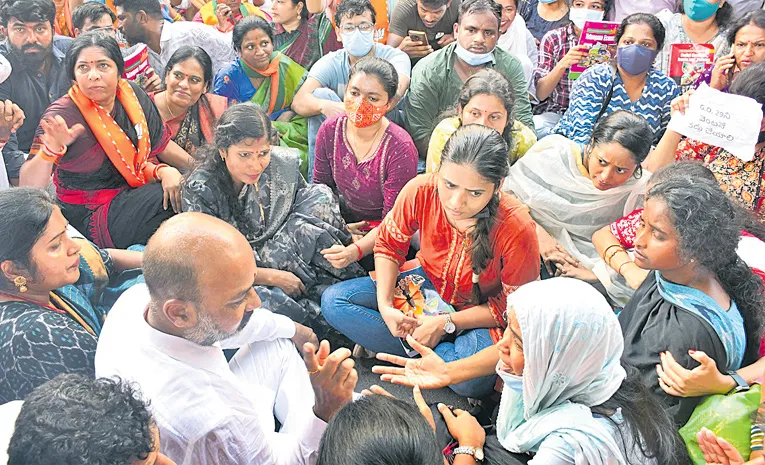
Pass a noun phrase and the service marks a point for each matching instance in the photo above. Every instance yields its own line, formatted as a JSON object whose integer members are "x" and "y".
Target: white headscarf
{"x": 514, "y": 42}
{"x": 572, "y": 344}
{"x": 564, "y": 201}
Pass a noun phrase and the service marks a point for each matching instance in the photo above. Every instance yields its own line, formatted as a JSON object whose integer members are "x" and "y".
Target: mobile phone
{"x": 407, "y": 348}
{"x": 418, "y": 36}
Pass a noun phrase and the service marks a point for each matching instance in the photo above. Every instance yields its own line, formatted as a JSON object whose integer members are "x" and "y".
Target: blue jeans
{"x": 315, "y": 121}
{"x": 351, "y": 307}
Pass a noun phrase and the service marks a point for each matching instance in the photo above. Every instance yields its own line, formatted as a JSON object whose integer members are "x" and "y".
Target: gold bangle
{"x": 622, "y": 266}
{"x": 613, "y": 254}
{"x": 605, "y": 252}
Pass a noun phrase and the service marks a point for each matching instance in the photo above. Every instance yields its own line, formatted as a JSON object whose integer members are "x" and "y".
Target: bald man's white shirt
{"x": 211, "y": 412}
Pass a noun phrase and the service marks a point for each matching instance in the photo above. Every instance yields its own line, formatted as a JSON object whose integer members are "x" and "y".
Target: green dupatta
{"x": 281, "y": 81}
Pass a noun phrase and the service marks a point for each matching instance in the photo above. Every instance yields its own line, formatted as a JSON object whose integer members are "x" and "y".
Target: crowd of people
{"x": 212, "y": 211}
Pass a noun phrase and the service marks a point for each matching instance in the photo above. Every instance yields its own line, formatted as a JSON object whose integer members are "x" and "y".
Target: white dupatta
{"x": 549, "y": 180}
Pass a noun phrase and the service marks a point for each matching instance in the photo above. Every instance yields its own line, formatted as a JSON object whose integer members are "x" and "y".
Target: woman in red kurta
{"x": 477, "y": 246}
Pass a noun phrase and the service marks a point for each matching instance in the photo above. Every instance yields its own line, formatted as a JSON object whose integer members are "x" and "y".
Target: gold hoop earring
{"x": 21, "y": 283}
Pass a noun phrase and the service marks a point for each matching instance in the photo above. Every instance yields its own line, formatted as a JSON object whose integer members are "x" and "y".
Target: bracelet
{"x": 361, "y": 254}
{"x": 605, "y": 252}
{"x": 756, "y": 435}
{"x": 622, "y": 266}
{"x": 613, "y": 254}
{"x": 51, "y": 156}
{"x": 155, "y": 173}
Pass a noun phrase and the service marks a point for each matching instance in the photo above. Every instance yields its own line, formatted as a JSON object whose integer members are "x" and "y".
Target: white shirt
{"x": 211, "y": 412}
{"x": 217, "y": 44}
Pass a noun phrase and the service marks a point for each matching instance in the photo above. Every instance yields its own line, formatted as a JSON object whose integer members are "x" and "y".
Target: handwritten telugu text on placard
{"x": 721, "y": 120}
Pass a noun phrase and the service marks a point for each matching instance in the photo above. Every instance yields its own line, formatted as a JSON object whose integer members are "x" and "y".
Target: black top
{"x": 652, "y": 325}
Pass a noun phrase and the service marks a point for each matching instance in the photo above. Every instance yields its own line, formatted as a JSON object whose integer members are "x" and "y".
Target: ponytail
{"x": 486, "y": 151}
{"x": 481, "y": 250}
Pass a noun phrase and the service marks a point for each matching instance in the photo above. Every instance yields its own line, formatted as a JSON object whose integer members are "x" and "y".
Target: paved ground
{"x": 367, "y": 378}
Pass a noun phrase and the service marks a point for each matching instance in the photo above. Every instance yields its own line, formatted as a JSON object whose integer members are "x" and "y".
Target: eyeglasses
{"x": 363, "y": 27}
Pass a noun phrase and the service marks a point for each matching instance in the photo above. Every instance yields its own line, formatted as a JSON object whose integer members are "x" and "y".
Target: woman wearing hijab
{"x": 566, "y": 399}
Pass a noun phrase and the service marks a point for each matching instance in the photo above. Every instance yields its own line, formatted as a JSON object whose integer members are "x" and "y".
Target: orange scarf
{"x": 272, "y": 72}
{"x": 133, "y": 164}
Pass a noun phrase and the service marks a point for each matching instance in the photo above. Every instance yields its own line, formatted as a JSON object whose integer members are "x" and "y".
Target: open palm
{"x": 427, "y": 372}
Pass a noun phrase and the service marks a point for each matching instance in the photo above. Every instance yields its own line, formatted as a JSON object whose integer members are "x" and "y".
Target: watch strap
{"x": 466, "y": 450}
{"x": 741, "y": 384}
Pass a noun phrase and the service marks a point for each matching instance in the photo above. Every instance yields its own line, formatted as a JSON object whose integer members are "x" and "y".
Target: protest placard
{"x": 721, "y": 120}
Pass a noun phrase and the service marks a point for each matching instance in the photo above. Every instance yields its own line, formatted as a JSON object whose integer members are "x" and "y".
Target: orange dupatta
{"x": 272, "y": 72}
{"x": 63, "y": 23}
{"x": 133, "y": 164}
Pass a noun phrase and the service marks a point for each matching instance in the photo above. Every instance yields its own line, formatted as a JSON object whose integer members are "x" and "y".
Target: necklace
{"x": 167, "y": 107}
{"x": 372, "y": 145}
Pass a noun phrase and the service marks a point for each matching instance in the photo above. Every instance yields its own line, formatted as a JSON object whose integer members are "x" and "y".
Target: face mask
{"x": 512, "y": 381}
{"x": 473, "y": 59}
{"x": 700, "y": 10}
{"x": 358, "y": 43}
{"x": 547, "y": 1}
{"x": 635, "y": 59}
{"x": 579, "y": 16}
{"x": 361, "y": 113}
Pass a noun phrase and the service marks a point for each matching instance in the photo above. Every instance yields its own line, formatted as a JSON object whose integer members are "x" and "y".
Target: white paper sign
{"x": 721, "y": 120}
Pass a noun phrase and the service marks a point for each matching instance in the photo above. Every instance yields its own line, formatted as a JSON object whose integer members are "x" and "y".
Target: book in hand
{"x": 600, "y": 36}
{"x": 137, "y": 63}
{"x": 688, "y": 61}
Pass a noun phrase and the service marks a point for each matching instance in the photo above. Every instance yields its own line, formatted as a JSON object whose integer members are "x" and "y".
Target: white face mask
{"x": 473, "y": 59}
{"x": 579, "y": 16}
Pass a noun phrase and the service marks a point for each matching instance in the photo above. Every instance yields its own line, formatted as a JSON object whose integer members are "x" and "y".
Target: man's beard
{"x": 207, "y": 332}
{"x": 32, "y": 56}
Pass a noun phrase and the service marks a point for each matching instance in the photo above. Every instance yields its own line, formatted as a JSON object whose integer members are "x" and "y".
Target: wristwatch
{"x": 741, "y": 384}
{"x": 475, "y": 452}
{"x": 449, "y": 327}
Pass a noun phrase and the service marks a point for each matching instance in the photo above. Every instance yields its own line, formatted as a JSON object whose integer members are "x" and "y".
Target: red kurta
{"x": 444, "y": 254}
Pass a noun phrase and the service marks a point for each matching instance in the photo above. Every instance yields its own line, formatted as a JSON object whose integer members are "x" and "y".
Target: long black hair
{"x": 483, "y": 149}
{"x": 239, "y": 122}
{"x": 649, "y": 20}
{"x": 626, "y": 129}
{"x": 379, "y": 430}
{"x": 26, "y": 213}
{"x": 98, "y": 39}
{"x": 708, "y": 230}
{"x": 652, "y": 430}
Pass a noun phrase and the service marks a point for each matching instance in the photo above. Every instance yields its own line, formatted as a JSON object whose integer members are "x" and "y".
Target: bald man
{"x": 167, "y": 336}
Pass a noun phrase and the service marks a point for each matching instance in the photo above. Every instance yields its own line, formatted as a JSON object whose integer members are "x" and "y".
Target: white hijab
{"x": 572, "y": 345}
{"x": 514, "y": 42}
{"x": 564, "y": 201}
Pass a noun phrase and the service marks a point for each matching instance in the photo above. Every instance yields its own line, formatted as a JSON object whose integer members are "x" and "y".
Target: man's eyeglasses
{"x": 363, "y": 27}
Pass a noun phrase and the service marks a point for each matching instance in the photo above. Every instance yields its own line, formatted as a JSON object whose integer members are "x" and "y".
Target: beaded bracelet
{"x": 756, "y": 438}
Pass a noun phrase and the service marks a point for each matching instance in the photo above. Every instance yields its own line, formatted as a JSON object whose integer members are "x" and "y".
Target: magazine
{"x": 137, "y": 63}
{"x": 688, "y": 61}
{"x": 601, "y": 37}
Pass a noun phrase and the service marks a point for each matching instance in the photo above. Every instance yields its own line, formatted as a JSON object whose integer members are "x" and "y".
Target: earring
{"x": 21, "y": 283}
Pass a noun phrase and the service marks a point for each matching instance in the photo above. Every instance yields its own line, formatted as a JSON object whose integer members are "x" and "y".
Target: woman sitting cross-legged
{"x": 266, "y": 77}
{"x": 573, "y": 193}
{"x": 477, "y": 246}
{"x": 55, "y": 291}
{"x": 101, "y": 143}
{"x": 567, "y": 399}
{"x": 363, "y": 157}
{"x": 699, "y": 295}
{"x": 185, "y": 105}
{"x": 485, "y": 98}
{"x": 258, "y": 190}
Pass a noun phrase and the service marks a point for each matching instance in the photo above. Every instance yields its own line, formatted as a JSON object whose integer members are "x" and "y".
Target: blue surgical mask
{"x": 700, "y": 10}
{"x": 635, "y": 59}
{"x": 512, "y": 381}
{"x": 579, "y": 16}
{"x": 358, "y": 43}
{"x": 473, "y": 59}
{"x": 547, "y": 1}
